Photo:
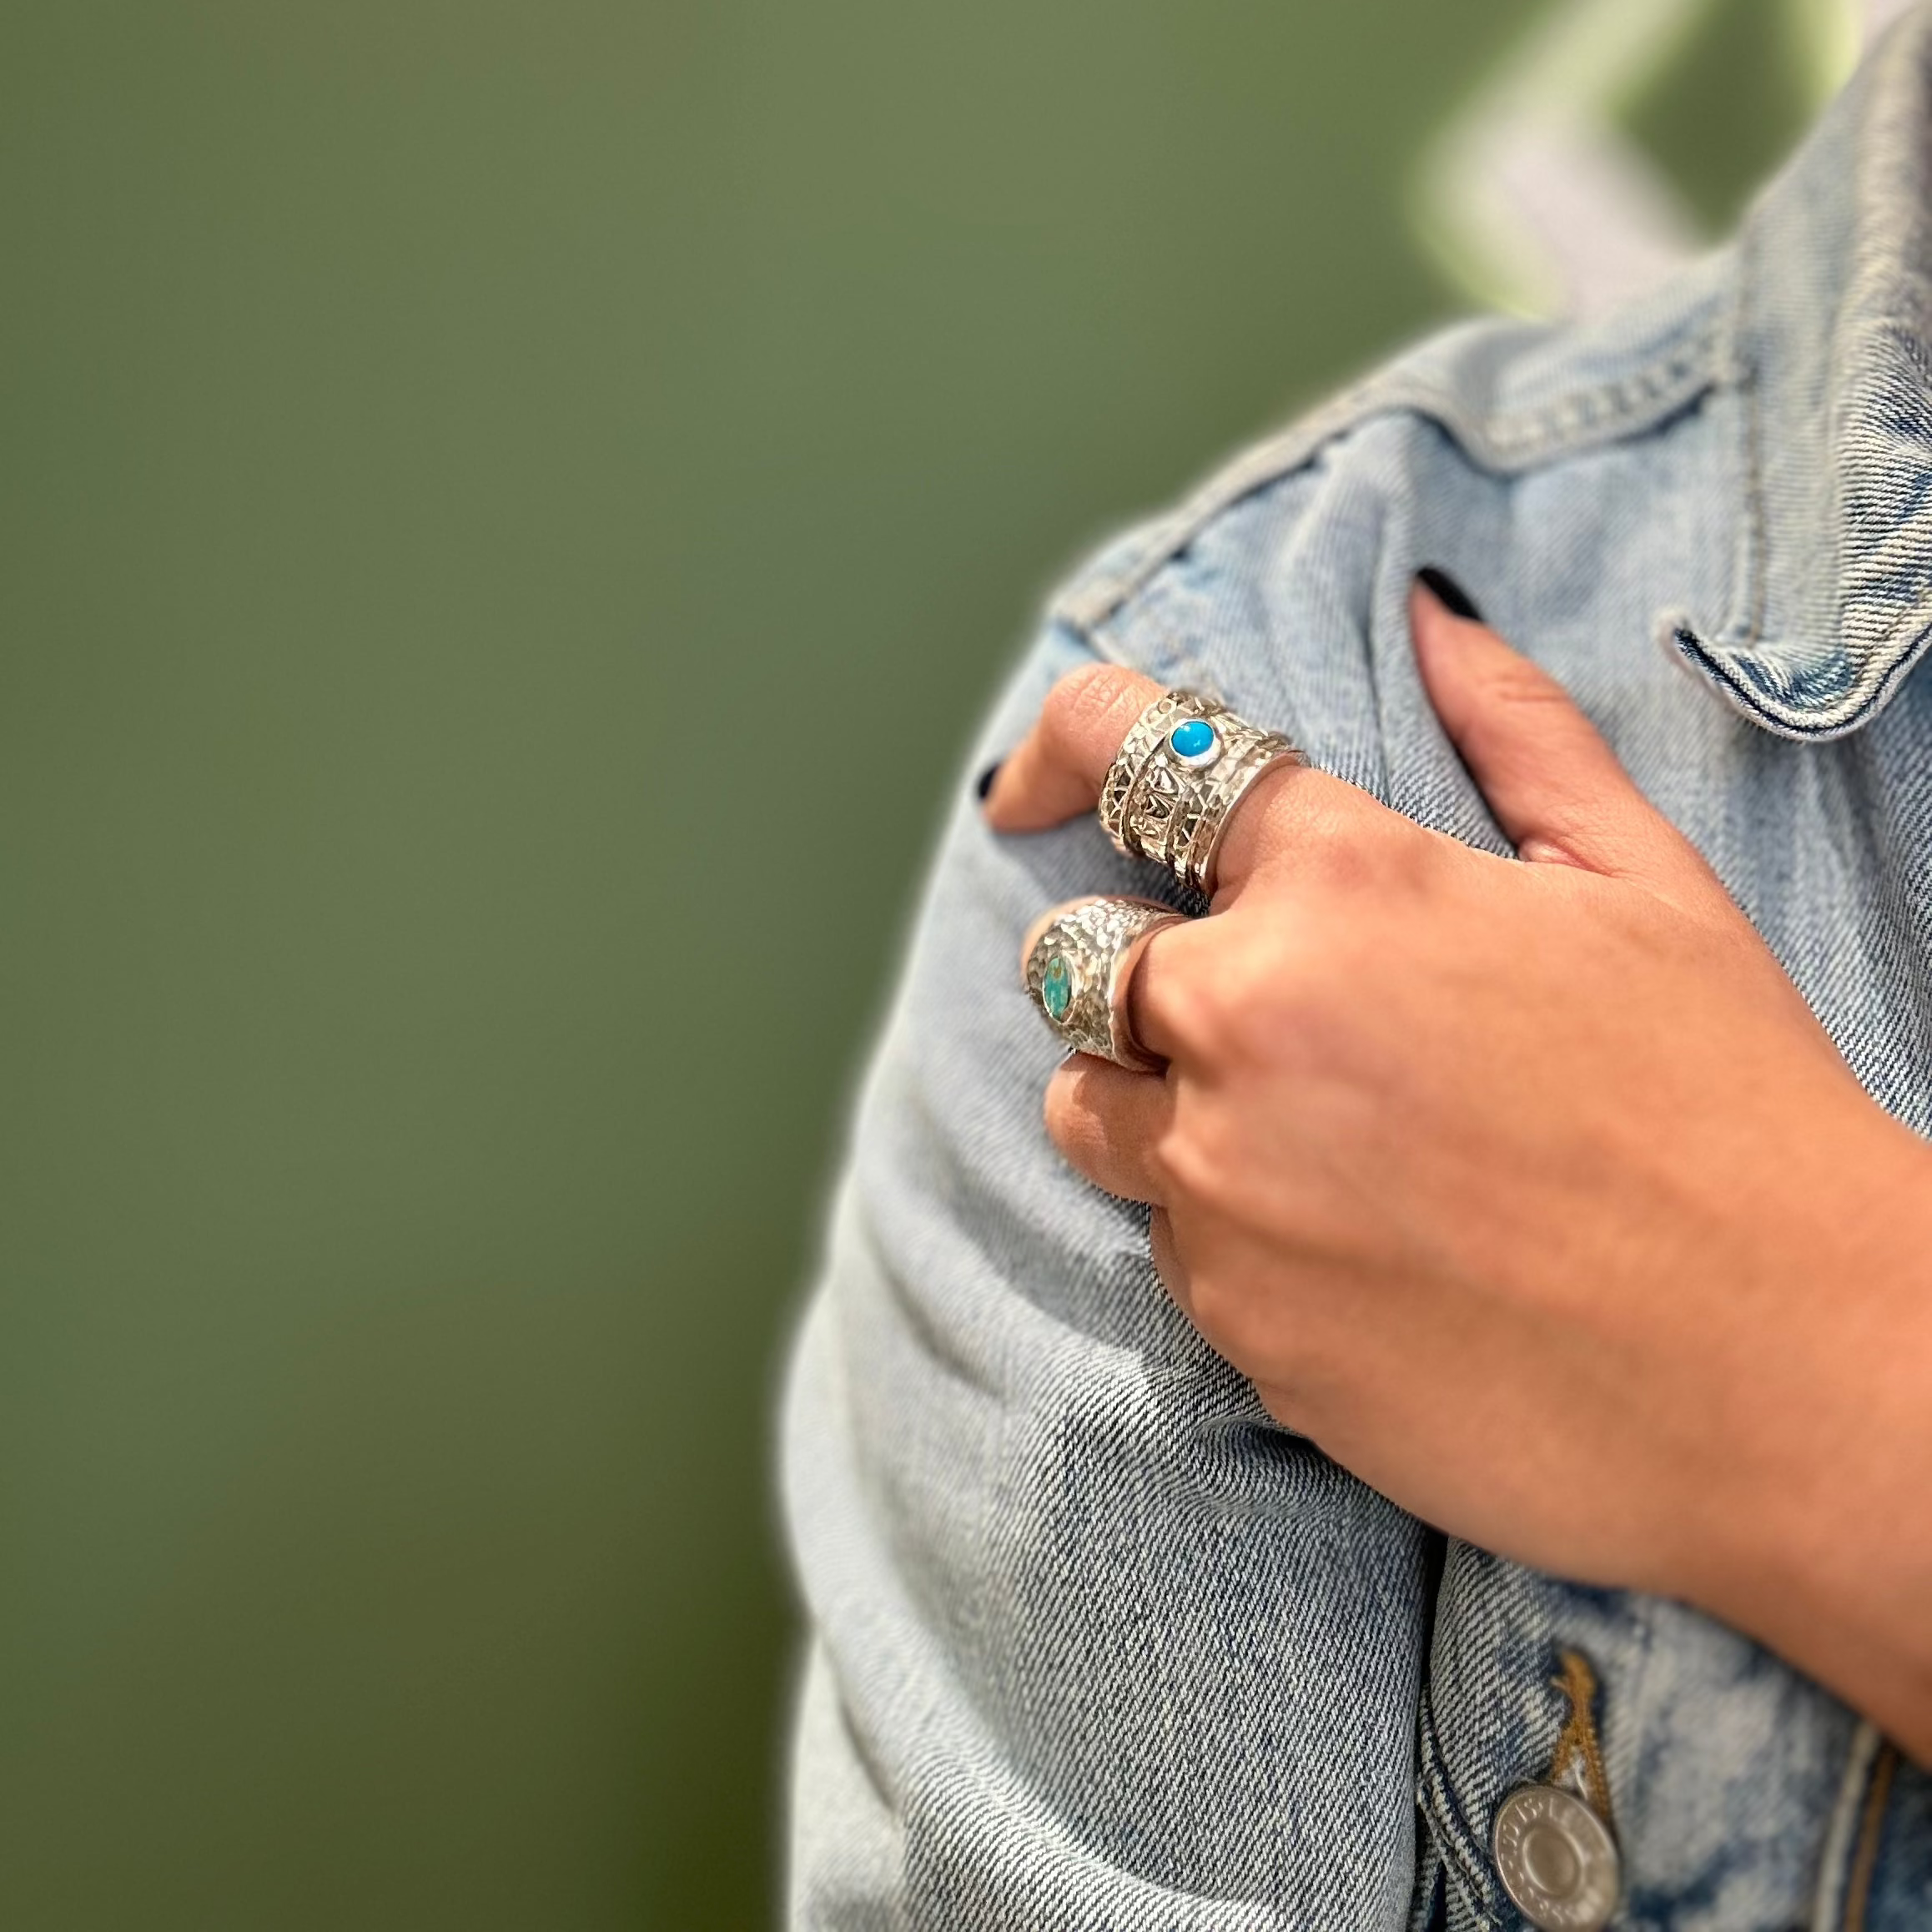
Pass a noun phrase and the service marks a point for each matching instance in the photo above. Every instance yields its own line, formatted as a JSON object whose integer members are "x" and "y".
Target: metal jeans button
{"x": 1557, "y": 1859}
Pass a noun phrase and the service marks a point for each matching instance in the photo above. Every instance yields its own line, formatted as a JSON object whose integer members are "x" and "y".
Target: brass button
{"x": 1557, "y": 1859}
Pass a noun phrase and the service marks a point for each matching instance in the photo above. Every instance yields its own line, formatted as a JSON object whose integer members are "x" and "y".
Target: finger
{"x": 1108, "y": 1123}
{"x": 1054, "y": 772}
{"x": 1556, "y": 787}
{"x": 1162, "y": 1006}
{"x": 1165, "y": 1253}
{"x": 1058, "y": 771}
{"x": 1295, "y": 817}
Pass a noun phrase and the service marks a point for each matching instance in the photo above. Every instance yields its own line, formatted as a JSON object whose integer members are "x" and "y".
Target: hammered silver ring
{"x": 1077, "y": 962}
{"x": 1171, "y": 791}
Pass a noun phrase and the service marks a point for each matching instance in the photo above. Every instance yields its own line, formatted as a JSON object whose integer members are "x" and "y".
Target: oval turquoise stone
{"x": 1056, "y": 986}
{"x": 1192, "y": 737}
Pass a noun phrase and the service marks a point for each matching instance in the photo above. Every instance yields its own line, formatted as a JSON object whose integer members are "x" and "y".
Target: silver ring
{"x": 1077, "y": 962}
{"x": 1181, "y": 771}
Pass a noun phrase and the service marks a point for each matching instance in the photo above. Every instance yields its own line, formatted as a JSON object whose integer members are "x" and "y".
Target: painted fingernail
{"x": 986, "y": 778}
{"x": 1448, "y": 593}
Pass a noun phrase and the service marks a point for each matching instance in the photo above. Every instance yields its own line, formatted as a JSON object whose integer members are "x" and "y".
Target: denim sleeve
{"x": 1094, "y": 1644}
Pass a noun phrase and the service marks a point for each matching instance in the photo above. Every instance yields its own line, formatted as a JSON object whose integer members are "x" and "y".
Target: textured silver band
{"x": 1183, "y": 768}
{"x": 1077, "y": 962}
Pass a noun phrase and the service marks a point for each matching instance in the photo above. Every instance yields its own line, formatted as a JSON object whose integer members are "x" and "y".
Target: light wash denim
{"x": 1095, "y": 1645}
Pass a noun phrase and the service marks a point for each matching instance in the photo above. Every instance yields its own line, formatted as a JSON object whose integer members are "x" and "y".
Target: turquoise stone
{"x": 1056, "y": 987}
{"x": 1192, "y": 739}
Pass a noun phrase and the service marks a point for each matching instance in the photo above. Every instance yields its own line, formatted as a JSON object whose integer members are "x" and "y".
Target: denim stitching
{"x": 1871, "y": 1832}
{"x": 1883, "y": 667}
{"x": 1841, "y": 1835}
{"x": 1755, "y": 538}
{"x": 1579, "y": 1740}
{"x": 1607, "y": 412}
{"x": 1454, "y": 1838}
{"x": 1172, "y": 661}
{"x": 1831, "y": 724}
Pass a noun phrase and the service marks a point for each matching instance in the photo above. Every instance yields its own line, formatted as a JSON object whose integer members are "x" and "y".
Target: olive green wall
{"x": 509, "y": 512}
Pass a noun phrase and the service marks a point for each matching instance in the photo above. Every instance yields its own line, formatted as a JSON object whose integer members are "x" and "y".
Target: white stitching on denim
{"x": 1586, "y": 417}
{"x": 1841, "y": 1836}
{"x": 1872, "y": 1820}
{"x": 1456, "y": 1842}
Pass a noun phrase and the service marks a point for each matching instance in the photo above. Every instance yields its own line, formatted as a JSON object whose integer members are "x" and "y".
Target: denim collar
{"x": 1832, "y": 604}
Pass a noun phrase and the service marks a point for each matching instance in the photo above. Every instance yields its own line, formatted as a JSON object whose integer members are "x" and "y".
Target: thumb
{"x": 1556, "y": 789}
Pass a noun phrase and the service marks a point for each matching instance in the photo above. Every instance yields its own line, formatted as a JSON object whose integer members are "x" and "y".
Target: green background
{"x": 511, "y": 511}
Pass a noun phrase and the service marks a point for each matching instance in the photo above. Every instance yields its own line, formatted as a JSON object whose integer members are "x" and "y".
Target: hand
{"x": 1533, "y": 1193}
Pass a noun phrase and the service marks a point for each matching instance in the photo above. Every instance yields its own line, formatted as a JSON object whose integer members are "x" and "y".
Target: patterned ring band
{"x": 1181, "y": 771}
{"x": 1077, "y": 962}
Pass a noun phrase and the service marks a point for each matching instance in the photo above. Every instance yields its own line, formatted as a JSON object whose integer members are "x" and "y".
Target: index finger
{"x": 1055, "y": 771}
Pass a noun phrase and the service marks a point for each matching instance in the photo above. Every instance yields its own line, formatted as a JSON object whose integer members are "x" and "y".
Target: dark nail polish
{"x": 1450, "y": 594}
{"x": 986, "y": 778}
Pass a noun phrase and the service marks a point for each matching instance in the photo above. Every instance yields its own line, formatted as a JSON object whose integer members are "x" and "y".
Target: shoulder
{"x": 1527, "y": 459}
{"x": 1512, "y": 398}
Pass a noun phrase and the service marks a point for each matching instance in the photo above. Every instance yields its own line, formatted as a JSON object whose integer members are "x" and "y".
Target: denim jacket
{"x": 1094, "y": 1645}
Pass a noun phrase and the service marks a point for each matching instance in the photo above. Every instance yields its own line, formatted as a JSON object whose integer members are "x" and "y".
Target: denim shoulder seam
{"x": 1450, "y": 1830}
{"x": 1505, "y": 442}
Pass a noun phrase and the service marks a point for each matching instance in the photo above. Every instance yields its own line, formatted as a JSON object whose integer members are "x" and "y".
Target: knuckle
{"x": 1196, "y": 1176}
{"x": 1248, "y": 1015}
{"x": 1179, "y": 1004}
{"x": 1519, "y": 697}
{"x": 1094, "y": 701}
{"x": 1057, "y": 1107}
{"x": 1162, "y": 1165}
{"x": 1347, "y": 848}
{"x": 1068, "y": 1120}
{"x": 1335, "y": 839}
{"x": 1225, "y": 1174}
{"x": 1514, "y": 680}
{"x": 1219, "y": 1311}
{"x": 1156, "y": 1170}
{"x": 1241, "y": 1321}
{"x": 1209, "y": 1151}
{"x": 1201, "y": 1008}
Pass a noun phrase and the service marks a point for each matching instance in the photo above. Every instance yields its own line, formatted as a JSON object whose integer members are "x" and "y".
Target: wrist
{"x": 1824, "y": 1550}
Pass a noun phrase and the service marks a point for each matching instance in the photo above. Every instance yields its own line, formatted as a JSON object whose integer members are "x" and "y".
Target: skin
{"x": 1484, "y": 1172}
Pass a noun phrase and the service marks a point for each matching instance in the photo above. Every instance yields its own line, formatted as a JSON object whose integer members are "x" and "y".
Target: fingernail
{"x": 986, "y": 778}
{"x": 1448, "y": 593}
